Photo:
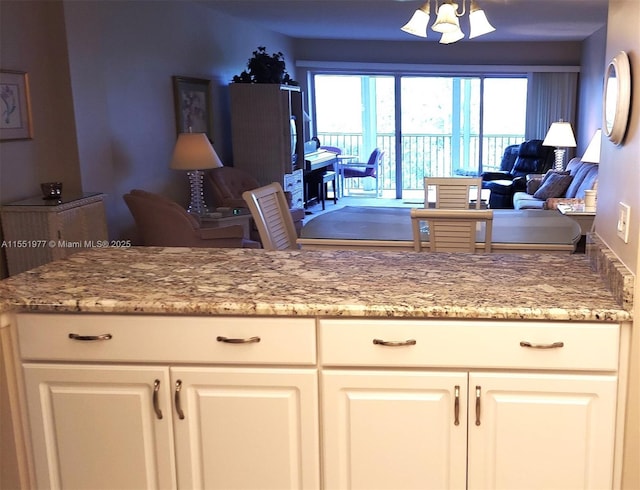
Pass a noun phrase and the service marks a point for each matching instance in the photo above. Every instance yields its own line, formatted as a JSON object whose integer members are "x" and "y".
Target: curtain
{"x": 551, "y": 96}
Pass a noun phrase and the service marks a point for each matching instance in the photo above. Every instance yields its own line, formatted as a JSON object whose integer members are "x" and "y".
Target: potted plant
{"x": 265, "y": 68}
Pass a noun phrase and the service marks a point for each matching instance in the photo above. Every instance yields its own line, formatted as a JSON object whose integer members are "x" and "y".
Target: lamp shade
{"x": 478, "y": 22}
{"x": 447, "y": 19}
{"x": 418, "y": 23}
{"x": 194, "y": 152}
{"x": 592, "y": 153}
{"x": 560, "y": 135}
{"x": 451, "y": 37}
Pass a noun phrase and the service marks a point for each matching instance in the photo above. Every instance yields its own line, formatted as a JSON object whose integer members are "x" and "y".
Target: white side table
{"x": 37, "y": 231}
{"x": 577, "y": 213}
{"x": 228, "y": 218}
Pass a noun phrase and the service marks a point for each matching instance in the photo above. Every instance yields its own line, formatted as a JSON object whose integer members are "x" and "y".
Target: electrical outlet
{"x": 624, "y": 211}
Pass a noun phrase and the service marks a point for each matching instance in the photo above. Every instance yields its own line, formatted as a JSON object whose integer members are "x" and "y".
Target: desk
{"x": 374, "y": 228}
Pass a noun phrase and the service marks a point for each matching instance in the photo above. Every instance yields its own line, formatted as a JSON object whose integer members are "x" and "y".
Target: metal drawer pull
{"x": 90, "y": 338}
{"x": 478, "y": 393}
{"x": 555, "y": 345}
{"x": 156, "y": 408}
{"x": 176, "y": 399}
{"x": 391, "y": 343}
{"x": 228, "y": 340}
{"x": 456, "y": 405}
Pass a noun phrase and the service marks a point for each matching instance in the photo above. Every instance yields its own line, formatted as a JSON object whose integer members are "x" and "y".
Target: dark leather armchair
{"x": 228, "y": 184}
{"x": 518, "y": 161}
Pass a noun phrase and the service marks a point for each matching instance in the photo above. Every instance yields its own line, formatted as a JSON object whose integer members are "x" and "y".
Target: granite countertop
{"x": 315, "y": 283}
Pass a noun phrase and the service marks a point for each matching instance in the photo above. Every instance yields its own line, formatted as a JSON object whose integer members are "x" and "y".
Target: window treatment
{"x": 551, "y": 96}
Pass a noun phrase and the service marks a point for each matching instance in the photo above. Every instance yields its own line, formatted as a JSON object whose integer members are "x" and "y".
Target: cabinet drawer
{"x": 468, "y": 344}
{"x": 167, "y": 339}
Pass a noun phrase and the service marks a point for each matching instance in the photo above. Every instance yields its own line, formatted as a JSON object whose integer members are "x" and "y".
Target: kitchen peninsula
{"x": 214, "y": 368}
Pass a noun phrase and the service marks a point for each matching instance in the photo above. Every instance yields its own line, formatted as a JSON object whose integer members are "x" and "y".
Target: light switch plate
{"x": 622, "y": 227}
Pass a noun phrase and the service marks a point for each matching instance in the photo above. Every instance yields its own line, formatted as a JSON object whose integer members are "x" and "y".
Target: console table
{"x": 37, "y": 231}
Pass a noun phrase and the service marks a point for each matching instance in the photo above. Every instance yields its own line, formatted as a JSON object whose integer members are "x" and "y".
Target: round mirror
{"x": 616, "y": 98}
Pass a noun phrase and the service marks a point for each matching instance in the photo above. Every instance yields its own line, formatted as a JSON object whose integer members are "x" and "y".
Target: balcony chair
{"x": 530, "y": 157}
{"x": 452, "y": 230}
{"x": 359, "y": 170}
{"x": 162, "y": 222}
{"x": 229, "y": 183}
{"x": 453, "y": 192}
{"x": 270, "y": 212}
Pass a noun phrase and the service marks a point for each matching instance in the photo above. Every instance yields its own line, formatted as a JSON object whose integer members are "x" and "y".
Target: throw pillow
{"x": 551, "y": 172}
{"x": 554, "y": 185}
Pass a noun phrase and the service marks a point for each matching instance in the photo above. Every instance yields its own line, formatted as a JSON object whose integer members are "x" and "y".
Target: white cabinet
{"x": 37, "y": 231}
{"x": 126, "y": 390}
{"x": 246, "y": 428}
{"x": 393, "y": 430}
{"x": 95, "y": 427}
{"x": 535, "y": 421}
{"x": 541, "y": 431}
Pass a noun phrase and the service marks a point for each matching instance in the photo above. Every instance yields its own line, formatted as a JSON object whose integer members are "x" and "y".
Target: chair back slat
{"x": 453, "y": 192}
{"x": 270, "y": 211}
{"x": 452, "y": 230}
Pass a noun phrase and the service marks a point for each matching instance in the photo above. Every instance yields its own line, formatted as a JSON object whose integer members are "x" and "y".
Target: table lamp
{"x": 561, "y": 136}
{"x": 592, "y": 153}
{"x": 194, "y": 153}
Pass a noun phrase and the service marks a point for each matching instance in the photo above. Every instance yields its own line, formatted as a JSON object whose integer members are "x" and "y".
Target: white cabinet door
{"x": 246, "y": 428}
{"x": 541, "y": 431}
{"x": 97, "y": 427}
{"x": 394, "y": 430}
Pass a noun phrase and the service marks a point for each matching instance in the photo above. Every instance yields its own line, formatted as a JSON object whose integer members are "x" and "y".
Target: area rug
{"x": 380, "y": 223}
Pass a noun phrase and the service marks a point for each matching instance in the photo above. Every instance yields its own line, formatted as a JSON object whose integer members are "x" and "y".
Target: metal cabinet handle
{"x": 249, "y": 340}
{"x": 156, "y": 407}
{"x": 176, "y": 399}
{"x": 392, "y": 343}
{"x": 90, "y": 338}
{"x": 456, "y": 405}
{"x": 555, "y": 345}
{"x": 478, "y": 393}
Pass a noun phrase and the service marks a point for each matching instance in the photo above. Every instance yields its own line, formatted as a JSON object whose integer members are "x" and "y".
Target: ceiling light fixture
{"x": 447, "y": 21}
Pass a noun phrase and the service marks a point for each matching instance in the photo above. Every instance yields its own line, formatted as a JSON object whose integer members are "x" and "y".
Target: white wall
{"x": 122, "y": 57}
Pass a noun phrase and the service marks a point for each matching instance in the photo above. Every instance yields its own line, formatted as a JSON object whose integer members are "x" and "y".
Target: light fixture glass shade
{"x": 194, "y": 152}
{"x": 447, "y": 20}
{"x": 418, "y": 23}
{"x": 592, "y": 153}
{"x": 451, "y": 37}
{"x": 559, "y": 135}
{"x": 478, "y": 22}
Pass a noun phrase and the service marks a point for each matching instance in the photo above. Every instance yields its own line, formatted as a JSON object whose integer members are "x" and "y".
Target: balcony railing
{"x": 425, "y": 155}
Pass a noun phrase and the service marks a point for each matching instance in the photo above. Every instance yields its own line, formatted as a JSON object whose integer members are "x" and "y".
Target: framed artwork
{"x": 15, "y": 106}
{"x": 192, "y": 98}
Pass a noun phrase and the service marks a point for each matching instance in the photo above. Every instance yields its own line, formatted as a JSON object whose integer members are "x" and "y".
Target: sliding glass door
{"x": 426, "y": 125}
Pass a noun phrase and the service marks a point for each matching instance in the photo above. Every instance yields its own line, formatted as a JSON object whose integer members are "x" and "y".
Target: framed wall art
{"x": 15, "y": 106}
{"x": 192, "y": 98}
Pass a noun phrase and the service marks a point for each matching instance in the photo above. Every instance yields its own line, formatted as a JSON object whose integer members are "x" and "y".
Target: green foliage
{"x": 265, "y": 68}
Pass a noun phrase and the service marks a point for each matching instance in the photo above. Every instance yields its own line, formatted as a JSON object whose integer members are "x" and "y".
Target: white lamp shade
{"x": 451, "y": 37}
{"x": 592, "y": 153}
{"x": 560, "y": 135}
{"x": 194, "y": 152}
{"x": 418, "y": 23}
{"x": 479, "y": 24}
{"x": 447, "y": 20}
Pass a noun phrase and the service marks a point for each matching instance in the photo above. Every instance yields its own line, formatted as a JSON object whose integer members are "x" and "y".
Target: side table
{"x": 37, "y": 231}
{"x": 577, "y": 213}
{"x": 227, "y": 217}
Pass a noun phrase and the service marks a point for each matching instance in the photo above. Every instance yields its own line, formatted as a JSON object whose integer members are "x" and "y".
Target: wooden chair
{"x": 453, "y": 192}
{"x": 270, "y": 211}
{"x": 452, "y": 230}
